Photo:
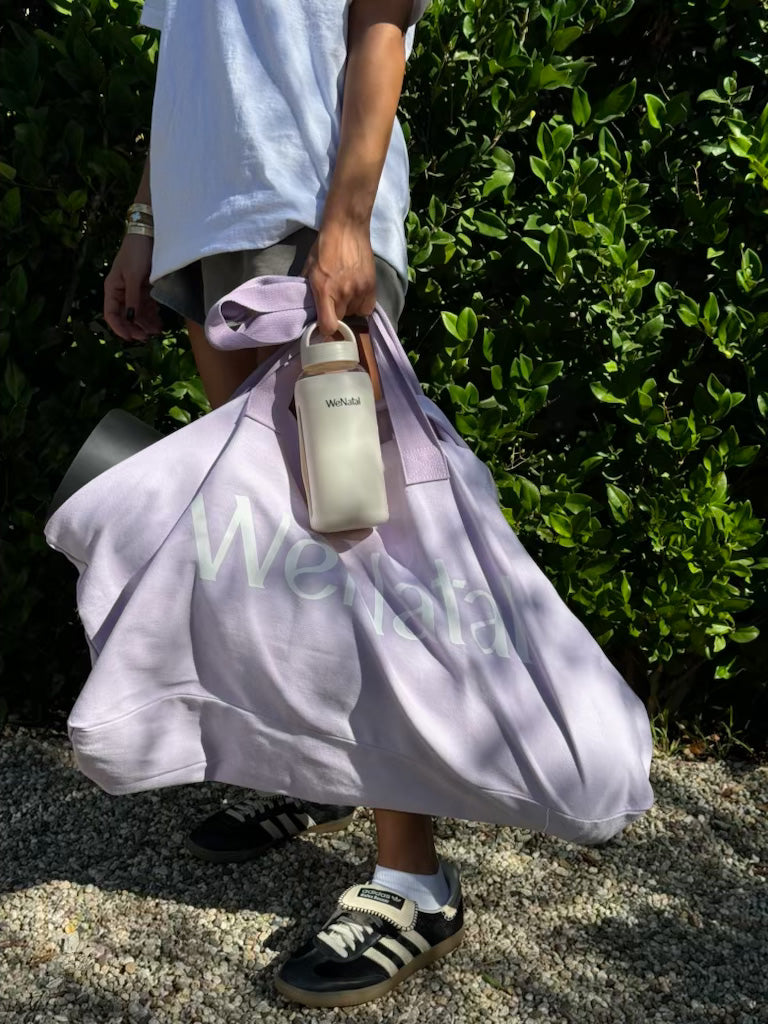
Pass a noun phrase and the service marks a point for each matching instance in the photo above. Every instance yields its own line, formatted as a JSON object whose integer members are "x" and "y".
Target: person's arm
{"x": 340, "y": 267}
{"x": 128, "y": 307}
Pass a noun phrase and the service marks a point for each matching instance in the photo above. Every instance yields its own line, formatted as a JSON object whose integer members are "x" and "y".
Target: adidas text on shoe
{"x": 254, "y": 825}
{"x": 373, "y": 941}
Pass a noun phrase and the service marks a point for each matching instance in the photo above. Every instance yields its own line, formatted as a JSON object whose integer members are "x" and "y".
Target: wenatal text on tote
{"x": 446, "y": 608}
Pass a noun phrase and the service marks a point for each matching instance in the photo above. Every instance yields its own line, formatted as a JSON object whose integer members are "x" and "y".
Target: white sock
{"x": 429, "y": 892}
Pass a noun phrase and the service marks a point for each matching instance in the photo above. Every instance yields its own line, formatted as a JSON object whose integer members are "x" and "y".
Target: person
{"x": 275, "y": 149}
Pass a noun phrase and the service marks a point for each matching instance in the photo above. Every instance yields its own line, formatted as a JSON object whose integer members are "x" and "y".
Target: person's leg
{"x": 222, "y": 372}
{"x": 407, "y": 861}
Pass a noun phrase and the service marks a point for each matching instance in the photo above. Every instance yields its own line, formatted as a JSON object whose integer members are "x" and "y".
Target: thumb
{"x": 327, "y": 316}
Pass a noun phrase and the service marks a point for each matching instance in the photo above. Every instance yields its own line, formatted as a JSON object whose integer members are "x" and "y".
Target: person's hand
{"x": 341, "y": 271}
{"x": 128, "y": 307}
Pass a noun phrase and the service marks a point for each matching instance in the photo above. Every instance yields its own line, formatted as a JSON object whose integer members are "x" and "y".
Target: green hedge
{"x": 588, "y": 302}
{"x": 589, "y": 206}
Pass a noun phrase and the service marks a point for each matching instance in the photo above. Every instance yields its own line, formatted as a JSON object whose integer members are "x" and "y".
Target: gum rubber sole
{"x": 354, "y": 997}
{"x": 251, "y": 853}
{"x": 330, "y": 826}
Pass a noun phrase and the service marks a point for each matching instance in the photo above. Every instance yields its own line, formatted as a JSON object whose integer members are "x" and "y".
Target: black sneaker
{"x": 252, "y": 826}
{"x": 374, "y": 940}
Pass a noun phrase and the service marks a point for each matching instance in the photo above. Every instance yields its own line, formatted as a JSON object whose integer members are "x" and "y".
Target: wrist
{"x": 346, "y": 216}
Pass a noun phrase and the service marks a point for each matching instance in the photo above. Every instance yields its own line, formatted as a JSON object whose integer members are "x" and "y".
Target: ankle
{"x": 406, "y": 842}
{"x": 429, "y": 891}
{"x": 421, "y": 862}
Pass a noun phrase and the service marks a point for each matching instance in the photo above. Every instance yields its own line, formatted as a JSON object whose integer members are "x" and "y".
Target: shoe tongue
{"x": 383, "y": 903}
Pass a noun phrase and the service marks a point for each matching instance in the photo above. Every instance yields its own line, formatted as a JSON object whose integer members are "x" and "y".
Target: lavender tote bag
{"x": 426, "y": 665}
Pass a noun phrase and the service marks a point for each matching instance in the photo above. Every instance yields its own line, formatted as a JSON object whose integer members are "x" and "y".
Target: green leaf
{"x": 528, "y": 493}
{"x": 525, "y": 365}
{"x": 560, "y": 524}
{"x": 745, "y": 635}
{"x": 656, "y": 109}
{"x": 562, "y": 136}
{"x": 490, "y": 224}
{"x": 711, "y": 96}
{"x": 557, "y": 248}
{"x": 13, "y": 380}
{"x": 6, "y": 171}
{"x": 606, "y": 143}
{"x": 497, "y": 181}
{"x": 466, "y": 324}
{"x": 580, "y": 107}
{"x": 563, "y": 38}
{"x": 619, "y": 503}
{"x": 602, "y": 394}
{"x": 449, "y": 322}
{"x": 10, "y": 208}
{"x": 688, "y": 311}
{"x": 599, "y": 567}
{"x": 745, "y": 455}
{"x": 552, "y": 77}
{"x": 545, "y": 373}
{"x": 503, "y": 160}
{"x": 712, "y": 309}
{"x": 544, "y": 141}
{"x": 540, "y": 168}
{"x": 535, "y": 244}
{"x": 616, "y": 103}
{"x": 650, "y": 330}
{"x": 436, "y": 210}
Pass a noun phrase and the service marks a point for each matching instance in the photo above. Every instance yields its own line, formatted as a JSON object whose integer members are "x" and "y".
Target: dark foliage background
{"x": 588, "y": 302}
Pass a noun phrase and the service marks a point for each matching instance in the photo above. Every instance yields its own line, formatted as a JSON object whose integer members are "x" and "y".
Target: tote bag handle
{"x": 275, "y": 310}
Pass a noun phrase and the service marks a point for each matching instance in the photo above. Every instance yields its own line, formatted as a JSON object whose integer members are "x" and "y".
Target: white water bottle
{"x": 341, "y": 463}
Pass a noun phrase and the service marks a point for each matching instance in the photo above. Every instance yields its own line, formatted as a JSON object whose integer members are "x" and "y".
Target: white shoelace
{"x": 344, "y": 936}
{"x": 251, "y": 807}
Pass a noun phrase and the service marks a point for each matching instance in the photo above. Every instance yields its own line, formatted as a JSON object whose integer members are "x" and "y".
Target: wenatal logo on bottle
{"x": 334, "y": 403}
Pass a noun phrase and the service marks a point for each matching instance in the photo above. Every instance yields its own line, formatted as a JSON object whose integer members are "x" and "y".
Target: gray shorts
{"x": 194, "y": 289}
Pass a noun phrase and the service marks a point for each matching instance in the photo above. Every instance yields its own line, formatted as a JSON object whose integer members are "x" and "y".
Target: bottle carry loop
{"x": 274, "y": 310}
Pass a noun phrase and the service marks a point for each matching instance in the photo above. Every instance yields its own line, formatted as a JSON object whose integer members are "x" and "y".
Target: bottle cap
{"x": 328, "y": 351}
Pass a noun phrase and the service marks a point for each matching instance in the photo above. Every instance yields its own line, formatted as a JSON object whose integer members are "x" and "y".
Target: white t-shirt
{"x": 245, "y": 127}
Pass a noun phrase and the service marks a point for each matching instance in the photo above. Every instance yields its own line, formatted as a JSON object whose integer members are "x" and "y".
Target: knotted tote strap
{"x": 267, "y": 310}
{"x": 272, "y": 310}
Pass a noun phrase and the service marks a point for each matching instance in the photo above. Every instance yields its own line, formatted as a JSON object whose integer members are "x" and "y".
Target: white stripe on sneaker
{"x": 288, "y": 824}
{"x": 397, "y": 948}
{"x": 418, "y": 940}
{"x": 271, "y": 828}
{"x": 382, "y": 960}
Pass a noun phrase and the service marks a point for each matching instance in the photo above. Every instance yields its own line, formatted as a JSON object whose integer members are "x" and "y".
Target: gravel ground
{"x": 104, "y": 918}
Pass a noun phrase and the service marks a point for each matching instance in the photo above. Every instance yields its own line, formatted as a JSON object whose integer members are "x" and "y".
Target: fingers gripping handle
{"x": 272, "y": 310}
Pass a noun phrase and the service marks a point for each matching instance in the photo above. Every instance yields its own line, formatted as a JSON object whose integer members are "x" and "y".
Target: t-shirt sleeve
{"x": 153, "y": 13}
{"x": 419, "y": 7}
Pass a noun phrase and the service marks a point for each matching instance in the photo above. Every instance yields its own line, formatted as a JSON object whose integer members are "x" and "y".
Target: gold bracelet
{"x": 132, "y": 228}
